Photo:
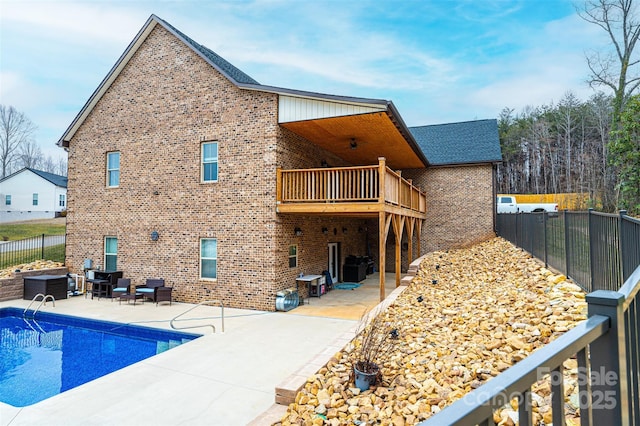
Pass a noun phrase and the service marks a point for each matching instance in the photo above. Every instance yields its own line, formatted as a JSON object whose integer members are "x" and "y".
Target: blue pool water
{"x": 54, "y": 353}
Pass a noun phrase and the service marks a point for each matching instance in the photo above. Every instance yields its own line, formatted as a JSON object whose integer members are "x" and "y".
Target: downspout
{"x": 494, "y": 189}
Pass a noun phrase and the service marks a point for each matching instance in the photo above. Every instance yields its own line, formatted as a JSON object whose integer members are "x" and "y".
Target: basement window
{"x": 293, "y": 256}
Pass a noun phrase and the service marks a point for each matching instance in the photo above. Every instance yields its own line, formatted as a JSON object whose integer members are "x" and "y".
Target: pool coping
{"x": 192, "y": 383}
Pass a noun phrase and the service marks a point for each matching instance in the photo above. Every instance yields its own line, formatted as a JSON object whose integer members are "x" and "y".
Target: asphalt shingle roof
{"x": 468, "y": 142}
{"x": 216, "y": 59}
{"x": 57, "y": 180}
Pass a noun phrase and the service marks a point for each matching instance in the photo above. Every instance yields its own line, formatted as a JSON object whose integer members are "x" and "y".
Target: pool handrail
{"x": 42, "y": 302}
{"x": 204, "y": 302}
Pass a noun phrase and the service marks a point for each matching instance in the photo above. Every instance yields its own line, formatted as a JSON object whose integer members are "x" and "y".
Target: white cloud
{"x": 330, "y": 47}
{"x": 74, "y": 23}
{"x": 14, "y": 89}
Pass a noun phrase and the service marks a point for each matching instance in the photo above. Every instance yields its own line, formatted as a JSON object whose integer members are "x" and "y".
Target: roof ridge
{"x": 230, "y": 70}
{"x": 58, "y": 180}
{"x": 465, "y": 142}
{"x": 453, "y": 122}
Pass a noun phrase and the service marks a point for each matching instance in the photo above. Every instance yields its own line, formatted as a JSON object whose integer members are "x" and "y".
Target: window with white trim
{"x": 209, "y": 258}
{"x": 62, "y": 200}
{"x": 7, "y": 200}
{"x": 35, "y": 199}
{"x": 113, "y": 169}
{"x": 209, "y": 166}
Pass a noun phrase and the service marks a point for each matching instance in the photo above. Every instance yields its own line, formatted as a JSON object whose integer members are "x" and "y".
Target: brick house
{"x": 181, "y": 166}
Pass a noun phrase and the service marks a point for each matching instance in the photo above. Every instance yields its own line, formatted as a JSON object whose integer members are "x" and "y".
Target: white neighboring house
{"x": 32, "y": 194}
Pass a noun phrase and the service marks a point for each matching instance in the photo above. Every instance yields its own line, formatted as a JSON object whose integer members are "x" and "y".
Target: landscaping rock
{"x": 493, "y": 305}
{"x": 32, "y": 266}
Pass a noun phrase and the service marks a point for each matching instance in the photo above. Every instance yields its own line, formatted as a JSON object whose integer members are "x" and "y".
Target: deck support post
{"x": 382, "y": 243}
{"x": 411, "y": 223}
{"x": 382, "y": 224}
{"x": 398, "y": 229}
{"x": 419, "y": 223}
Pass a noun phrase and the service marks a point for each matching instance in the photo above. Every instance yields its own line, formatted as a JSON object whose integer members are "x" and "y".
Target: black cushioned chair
{"x": 155, "y": 290}
{"x": 121, "y": 288}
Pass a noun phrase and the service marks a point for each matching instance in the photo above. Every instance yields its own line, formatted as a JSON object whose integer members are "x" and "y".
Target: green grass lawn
{"x": 54, "y": 253}
{"x": 20, "y": 231}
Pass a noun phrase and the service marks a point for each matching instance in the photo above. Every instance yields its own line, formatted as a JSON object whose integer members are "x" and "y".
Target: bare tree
{"x": 15, "y": 130}
{"x": 604, "y": 179}
{"x": 619, "y": 19}
{"x": 557, "y": 148}
{"x": 61, "y": 166}
{"x": 30, "y": 154}
{"x": 567, "y": 121}
{"x": 49, "y": 165}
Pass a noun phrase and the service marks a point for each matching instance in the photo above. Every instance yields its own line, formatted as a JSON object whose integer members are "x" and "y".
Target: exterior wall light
{"x": 297, "y": 232}
{"x": 325, "y": 231}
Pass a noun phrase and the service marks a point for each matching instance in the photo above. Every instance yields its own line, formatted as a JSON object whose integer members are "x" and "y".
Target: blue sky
{"x": 439, "y": 61}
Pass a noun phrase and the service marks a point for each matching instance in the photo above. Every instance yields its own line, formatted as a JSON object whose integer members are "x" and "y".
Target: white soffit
{"x": 293, "y": 108}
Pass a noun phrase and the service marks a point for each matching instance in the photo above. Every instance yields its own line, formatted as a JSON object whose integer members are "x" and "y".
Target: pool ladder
{"x": 42, "y": 302}
{"x": 205, "y": 302}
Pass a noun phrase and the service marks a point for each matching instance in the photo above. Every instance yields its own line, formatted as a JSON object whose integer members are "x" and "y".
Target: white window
{"x": 209, "y": 258}
{"x": 110, "y": 254}
{"x": 113, "y": 169}
{"x": 62, "y": 200}
{"x": 293, "y": 256}
{"x": 7, "y": 200}
{"x": 209, "y": 162}
{"x": 35, "y": 199}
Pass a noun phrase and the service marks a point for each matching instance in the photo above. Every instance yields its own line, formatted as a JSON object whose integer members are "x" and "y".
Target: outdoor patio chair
{"x": 122, "y": 287}
{"x": 155, "y": 290}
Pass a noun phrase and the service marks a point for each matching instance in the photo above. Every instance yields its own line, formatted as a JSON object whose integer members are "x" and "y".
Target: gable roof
{"x": 232, "y": 73}
{"x": 468, "y": 142}
{"x": 57, "y": 180}
{"x": 386, "y": 111}
{"x": 217, "y": 61}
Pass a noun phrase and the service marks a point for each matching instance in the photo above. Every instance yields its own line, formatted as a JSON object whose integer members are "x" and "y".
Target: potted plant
{"x": 375, "y": 336}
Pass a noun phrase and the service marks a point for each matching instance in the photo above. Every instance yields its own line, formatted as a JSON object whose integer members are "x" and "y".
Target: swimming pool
{"x": 54, "y": 353}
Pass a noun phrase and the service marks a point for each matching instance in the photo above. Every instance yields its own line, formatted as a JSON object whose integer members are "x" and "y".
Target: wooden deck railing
{"x": 349, "y": 184}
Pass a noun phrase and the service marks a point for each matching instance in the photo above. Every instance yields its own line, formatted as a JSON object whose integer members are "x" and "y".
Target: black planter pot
{"x": 365, "y": 379}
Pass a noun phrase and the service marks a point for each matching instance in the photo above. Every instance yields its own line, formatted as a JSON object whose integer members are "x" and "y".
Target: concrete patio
{"x": 219, "y": 379}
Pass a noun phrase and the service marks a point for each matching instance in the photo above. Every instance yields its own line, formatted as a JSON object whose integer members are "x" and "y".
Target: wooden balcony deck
{"x": 358, "y": 191}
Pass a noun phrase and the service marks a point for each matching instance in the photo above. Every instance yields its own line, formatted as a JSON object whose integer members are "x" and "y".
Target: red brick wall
{"x": 459, "y": 205}
{"x": 459, "y": 211}
{"x": 164, "y": 103}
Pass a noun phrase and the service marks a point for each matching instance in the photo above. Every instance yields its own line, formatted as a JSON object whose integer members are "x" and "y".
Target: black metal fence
{"x": 46, "y": 247}
{"x": 599, "y": 251}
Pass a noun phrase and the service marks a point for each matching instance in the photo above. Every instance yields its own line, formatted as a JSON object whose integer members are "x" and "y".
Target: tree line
{"x": 18, "y": 148}
{"x": 589, "y": 146}
{"x": 559, "y": 148}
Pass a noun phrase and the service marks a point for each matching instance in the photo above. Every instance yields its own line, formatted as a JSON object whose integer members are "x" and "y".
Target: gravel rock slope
{"x": 468, "y": 315}
{"x": 32, "y": 266}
